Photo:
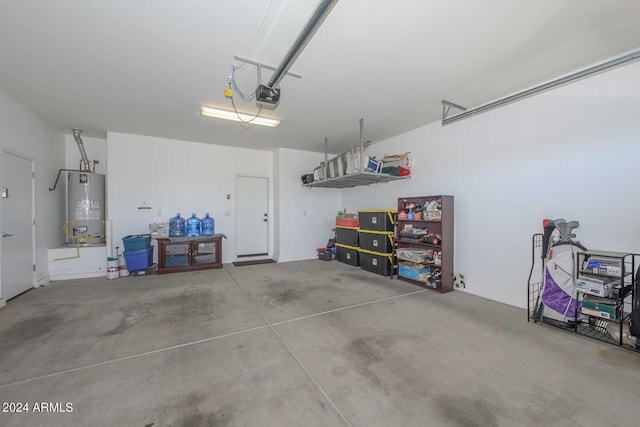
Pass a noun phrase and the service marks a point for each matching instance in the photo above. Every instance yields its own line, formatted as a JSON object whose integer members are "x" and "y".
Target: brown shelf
{"x": 425, "y": 245}
{"x": 424, "y": 285}
{"x": 444, "y": 228}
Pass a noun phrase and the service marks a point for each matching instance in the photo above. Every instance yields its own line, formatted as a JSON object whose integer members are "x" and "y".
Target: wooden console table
{"x": 189, "y": 255}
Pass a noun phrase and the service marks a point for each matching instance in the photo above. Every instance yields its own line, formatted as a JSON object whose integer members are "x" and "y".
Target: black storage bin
{"x": 347, "y": 236}
{"x": 382, "y": 264}
{"x": 377, "y": 242}
{"x": 348, "y": 255}
{"x": 325, "y": 254}
{"x": 377, "y": 220}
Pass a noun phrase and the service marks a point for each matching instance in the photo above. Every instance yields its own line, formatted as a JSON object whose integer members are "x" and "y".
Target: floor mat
{"x": 259, "y": 261}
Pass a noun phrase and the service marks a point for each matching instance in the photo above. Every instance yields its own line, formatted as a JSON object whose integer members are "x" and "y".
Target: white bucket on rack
{"x": 112, "y": 268}
{"x": 122, "y": 266}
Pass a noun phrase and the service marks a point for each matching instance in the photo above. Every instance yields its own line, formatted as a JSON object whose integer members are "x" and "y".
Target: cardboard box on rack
{"x": 607, "y": 267}
{"x": 594, "y": 286}
{"x": 600, "y": 309}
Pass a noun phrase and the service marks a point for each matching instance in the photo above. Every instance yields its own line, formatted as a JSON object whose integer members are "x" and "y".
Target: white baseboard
{"x": 286, "y": 258}
{"x": 76, "y": 275}
{"x": 249, "y": 258}
{"x": 42, "y": 279}
{"x": 502, "y": 297}
{"x": 3, "y": 302}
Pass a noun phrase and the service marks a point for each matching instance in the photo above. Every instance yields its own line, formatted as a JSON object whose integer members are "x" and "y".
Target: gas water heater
{"x": 85, "y": 198}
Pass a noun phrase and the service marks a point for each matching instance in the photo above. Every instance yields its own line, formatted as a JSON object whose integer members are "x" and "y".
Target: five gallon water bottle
{"x": 177, "y": 226}
{"x": 208, "y": 225}
{"x": 193, "y": 226}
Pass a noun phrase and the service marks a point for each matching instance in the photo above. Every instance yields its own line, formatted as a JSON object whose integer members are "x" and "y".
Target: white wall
{"x": 96, "y": 149}
{"x": 305, "y": 216}
{"x": 23, "y": 132}
{"x": 174, "y": 176}
{"x": 572, "y": 152}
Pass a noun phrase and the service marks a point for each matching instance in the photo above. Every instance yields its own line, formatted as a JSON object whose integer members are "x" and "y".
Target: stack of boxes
{"x": 377, "y": 241}
{"x": 347, "y": 239}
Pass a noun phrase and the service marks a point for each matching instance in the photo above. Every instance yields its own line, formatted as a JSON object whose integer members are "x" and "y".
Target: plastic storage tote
{"x": 325, "y": 254}
{"x": 139, "y": 260}
{"x": 347, "y": 236}
{"x": 347, "y": 254}
{"x": 377, "y": 241}
{"x": 347, "y": 220}
{"x": 378, "y": 263}
{"x": 136, "y": 242}
{"x": 377, "y": 220}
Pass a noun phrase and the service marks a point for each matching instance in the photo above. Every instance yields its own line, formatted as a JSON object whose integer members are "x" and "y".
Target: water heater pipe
{"x": 83, "y": 154}
{"x": 55, "y": 184}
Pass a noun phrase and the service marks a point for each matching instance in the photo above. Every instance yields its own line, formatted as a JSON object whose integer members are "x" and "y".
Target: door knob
{"x": 9, "y": 235}
{"x": 265, "y": 220}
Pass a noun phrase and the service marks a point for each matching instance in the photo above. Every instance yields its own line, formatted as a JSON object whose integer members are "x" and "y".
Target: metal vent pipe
{"x": 83, "y": 154}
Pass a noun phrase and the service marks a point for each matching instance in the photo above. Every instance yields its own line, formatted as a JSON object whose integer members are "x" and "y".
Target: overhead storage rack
{"x": 356, "y": 179}
{"x": 350, "y": 168}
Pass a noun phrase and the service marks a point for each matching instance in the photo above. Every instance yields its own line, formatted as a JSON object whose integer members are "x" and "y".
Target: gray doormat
{"x": 259, "y": 261}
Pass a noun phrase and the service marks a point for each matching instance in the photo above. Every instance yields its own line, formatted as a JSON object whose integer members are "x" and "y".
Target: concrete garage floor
{"x": 305, "y": 343}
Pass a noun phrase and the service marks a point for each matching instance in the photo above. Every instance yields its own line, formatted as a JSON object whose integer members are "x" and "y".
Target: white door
{"x": 252, "y": 220}
{"x": 17, "y": 225}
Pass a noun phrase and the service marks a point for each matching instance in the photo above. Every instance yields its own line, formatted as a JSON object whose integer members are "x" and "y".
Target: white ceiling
{"x": 145, "y": 66}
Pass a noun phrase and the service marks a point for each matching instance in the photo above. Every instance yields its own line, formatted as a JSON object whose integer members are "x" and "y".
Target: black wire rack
{"x": 536, "y": 275}
{"x": 595, "y": 328}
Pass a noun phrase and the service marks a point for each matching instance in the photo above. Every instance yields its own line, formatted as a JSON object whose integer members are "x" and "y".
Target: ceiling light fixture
{"x": 239, "y": 117}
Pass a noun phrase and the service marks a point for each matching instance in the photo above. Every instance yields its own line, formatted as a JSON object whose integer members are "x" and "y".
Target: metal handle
{"x": 265, "y": 220}
{"x": 9, "y": 235}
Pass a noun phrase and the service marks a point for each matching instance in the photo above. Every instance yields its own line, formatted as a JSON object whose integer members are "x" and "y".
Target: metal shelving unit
{"x": 625, "y": 297}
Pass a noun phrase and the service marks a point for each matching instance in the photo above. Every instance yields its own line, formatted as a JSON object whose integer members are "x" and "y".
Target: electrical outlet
{"x": 227, "y": 213}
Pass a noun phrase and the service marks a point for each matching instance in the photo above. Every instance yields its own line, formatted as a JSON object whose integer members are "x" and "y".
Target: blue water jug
{"x": 193, "y": 226}
{"x": 208, "y": 225}
{"x": 177, "y": 226}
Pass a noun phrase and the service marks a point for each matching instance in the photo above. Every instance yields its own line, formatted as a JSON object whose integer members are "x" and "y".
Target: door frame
{"x": 269, "y": 216}
{"x": 4, "y": 150}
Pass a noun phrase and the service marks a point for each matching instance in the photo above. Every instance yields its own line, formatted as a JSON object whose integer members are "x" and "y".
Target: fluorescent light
{"x": 238, "y": 117}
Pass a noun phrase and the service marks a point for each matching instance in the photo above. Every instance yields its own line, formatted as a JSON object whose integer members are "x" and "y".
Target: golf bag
{"x": 559, "y": 297}
{"x": 559, "y": 293}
